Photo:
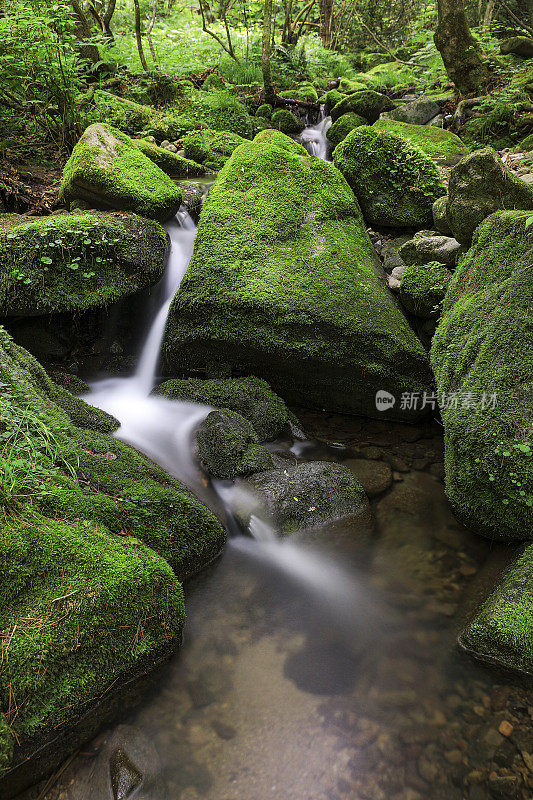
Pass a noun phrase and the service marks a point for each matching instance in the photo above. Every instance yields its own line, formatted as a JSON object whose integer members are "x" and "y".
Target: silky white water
{"x": 314, "y": 138}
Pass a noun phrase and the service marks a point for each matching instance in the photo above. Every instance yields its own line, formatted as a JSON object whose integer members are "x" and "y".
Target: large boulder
{"x": 518, "y": 45}
{"x": 366, "y": 103}
{"x": 417, "y": 112}
{"x": 342, "y": 127}
{"x": 501, "y": 633}
{"x": 93, "y": 541}
{"x": 132, "y": 118}
{"x": 426, "y": 246}
{"x": 309, "y": 495}
{"x": 395, "y": 182}
{"x": 73, "y": 262}
{"x": 479, "y": 185}
{"x": 482, "y": 354}
{"x": 228, "y": 446}
{"x": 284, "y": 282}
{"x": 107, "y": 170}
{"x": 442, "y": 146}
{"x": 286, "y": 122}
{"x": 251, "y": 397}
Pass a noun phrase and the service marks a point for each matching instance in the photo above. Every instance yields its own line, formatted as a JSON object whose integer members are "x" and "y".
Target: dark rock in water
{"x": 482, "y": 354}
{"x": 518, "y": 45}
{"x": 375, "y": 476}
{"x": 228, "y": 446}
{"x": 480, "y": 185}
{"x": 417, "y": 112}
{"x": 309, "y": 495}
{"x": 502, "y": 631}
{"x": 125, "y": 777}
{"x": 251, "y": 397}
{"x": 295, "y": 294}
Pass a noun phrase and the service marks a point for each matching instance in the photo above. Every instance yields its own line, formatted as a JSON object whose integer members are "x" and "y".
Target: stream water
{"x": 323, "y": 667}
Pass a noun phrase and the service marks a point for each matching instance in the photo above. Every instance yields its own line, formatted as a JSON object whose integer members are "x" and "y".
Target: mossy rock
{"x": 89, "y": 530}
{"x": 213, "y": 81}
{"x": 343, "y": 126}
{"x": 394, "y": 181}
{"x": 171, "y": 163}
{"x": 349, "y": 85}
{"x": 284, "y": 283}
{"x": 442, "y": 146}
{"x": 228, "y": 446}
{"x": 260, "y": 124}
{"x": 427, "y": 246}
{"x": 232, "y": 117}
{"x": 251, "y": 397}
{"x": 331, "y": 99}
{"x": 440, "y": 220}
{"x": 211, "y": 148}
{"x": 526, "y": 145}
{"x": 418, "y": 112}
{"x": 286, "y": 122}
{"x": 423, "y": 287}
{"x": 264, "y": 110}
{"x": 109, "y": 171}
{"x": 480, "y": 185}
{"x": 366, "y": 103}
{"x": 77, "y": 261}
{"x": 484, "y": 345}
{"x": 131, "y": 118}
{"x": 304, "y": 91}
{"x": 501, "y": 633}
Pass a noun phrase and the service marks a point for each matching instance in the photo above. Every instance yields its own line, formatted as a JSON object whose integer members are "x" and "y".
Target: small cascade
{"x": 314, "y": 138}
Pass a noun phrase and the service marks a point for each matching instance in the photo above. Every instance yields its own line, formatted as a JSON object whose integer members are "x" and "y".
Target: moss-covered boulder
{"x": 395, "y": 182}
{"x": 228, "y": 114}
{"x": 228, "y": 446}
{"x": 171, "y": 163}
{"x": 440, "y": 221}
{"x": 427, "y": 246}
{"x": 304, "y": 91}
{"x": 130, "y": 117}
{"x": 331, "y": 99}
{"x": 366, "y": 103}
{"x": 89, "y": 531}
{"x": 417, "y": 112}
{"x": 442, "y": 146}
{"x": 350, "y": 85}
{"x": 286, "y": 122}
{"x": 264, "y": 110}
{"x": 423, "y": 287}
{"x": 501, "y": 633}
{"x": 480, "y": 185}
{"x": 343, "y": 126}
{"x": 210, "y": 148}
{"x": 309, "y": 495}
{"x": 482, "y": 354}
{"x": 77, "y": 261}
{"x": 284, "y": 283}
{"x": 251, "y": 397}
{"x": 106, "y": 169}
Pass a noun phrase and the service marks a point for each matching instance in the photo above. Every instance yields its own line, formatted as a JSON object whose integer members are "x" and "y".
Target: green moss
{"x": 107, "y": 169}
{"x": 169, "y": 162}
{"x": 442, "y": 146}
{"x": 284, "y": 284}
{"x": 77, "y": 261}
{"x": 342, "y": 127}
{"x": 213, "y": 81}
{"x": 366, "y": 103}
{"x": 264, "y": 110}
{"x": 250, "y": 397}
{"x": 484, "y": 344}
{"x": 286, "y": 122}
{"x": 349, "y": 86}
{"x": 423, "y": 287}
{"x": 131, "y": 118}
{"x": 527, "y": 144}
{"x": 502, "y": 631}
{"x": 6, "y": 744}
{"x": 230, "y": 115}
{"x": 395, "y": 182}
{"x": 228, "y": 446}
{"x": 304, "y": 91}
{"x": 211, "y": 148}
{"x": 331, "y": 99}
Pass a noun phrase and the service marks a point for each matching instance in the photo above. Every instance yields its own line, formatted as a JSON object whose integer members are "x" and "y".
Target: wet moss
{"x": 366, "y": 103}
{"x": 331, "y": 99}
{"x": 395, "y": 182}
{"x": 422, "y": 288}
{"x": 78, "y": 261}
{"x": 228, "y": 446}
{"x": 304, "y": 91}
{"x": 343, "y": 126}
{"x": 284, "y": 284}
{"x": 484, "y": 347}
{"x": 286, "y": 122}
{"x": 442, "y": 146}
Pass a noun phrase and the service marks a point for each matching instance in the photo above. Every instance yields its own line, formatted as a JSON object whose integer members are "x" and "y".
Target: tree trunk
{"x": 268, "y": 94}
{"x": 489, "y": 13}
{"x": 458, "y": 48}
{"x": 138, "y": 34}
{"x": 83, "y": 33}
{"x": 326, "y": 22}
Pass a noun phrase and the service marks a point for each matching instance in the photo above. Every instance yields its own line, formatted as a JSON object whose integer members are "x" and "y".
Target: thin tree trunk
{"x": 458, "y": 48}
{"x": 489, "y": 13}
{"x": 326, "y": 21}
{"x": 138, "y": 34}
{"x": 108, "y": 16}
{"x": 149, "y": 34}
{"x": 83, "y": 32}
{"x": 269, "y": 94}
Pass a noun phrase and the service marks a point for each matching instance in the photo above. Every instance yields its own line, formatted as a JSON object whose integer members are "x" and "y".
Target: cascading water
{"x": 314, "y": 138}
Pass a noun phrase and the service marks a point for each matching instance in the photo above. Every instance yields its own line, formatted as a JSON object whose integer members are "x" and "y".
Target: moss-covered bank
{"x": 442, "y": 146}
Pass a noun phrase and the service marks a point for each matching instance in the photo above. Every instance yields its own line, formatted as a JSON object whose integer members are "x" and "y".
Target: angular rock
{"x": 442, "y": 146}
{"x": 518, "y": 45}
{"x": 251, "y": 397}
{"x": 423, "y": 249}
{"x": 72, "y": 262}
{"x": 309, "y": 495}
{"x": 106, "y": 169}
{"x": 480, "y": 185}
{"x": 342, "y": 127}
{"x": 284, "y": 282}
{"x": 171, "y": 163}
{"x": 366, "y": 103}
{"x": 396, "y": 183}
{"x": 483, "y": 348}
{"x": 502, "y": 630}
{"x": 417, "y": 112}
{"x": 228, "y": 446}
{"x": 423, "y": 287}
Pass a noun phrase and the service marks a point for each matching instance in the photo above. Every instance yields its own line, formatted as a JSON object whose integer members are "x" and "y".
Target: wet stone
{"x": 125, "y": 777}
{"x": 223, "y": 729}
{"x": 375, "y": 476}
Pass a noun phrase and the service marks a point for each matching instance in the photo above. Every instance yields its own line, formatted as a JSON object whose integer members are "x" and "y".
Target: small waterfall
{"x": 314, "y": 138}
